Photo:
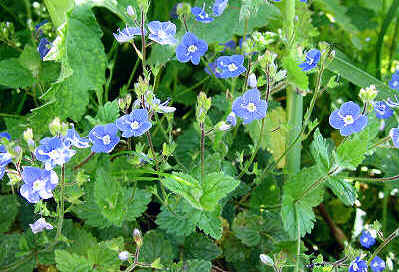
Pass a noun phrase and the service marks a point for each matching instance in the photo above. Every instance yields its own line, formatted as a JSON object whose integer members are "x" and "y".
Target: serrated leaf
{"x": 297, "y": 208}
{"x": 319, "y": 149}
{"x": 14, "y": 75}
{"x": 108, "y": 113}
{"x": 69, "y": 262}
{"x": 9, "y": 211}
{"x": 211, "y": 224}
{"x": 198, "y": 246}
{"x": 155, "y": 245}
{"x": 343, "y": 190}
{"x": 295, "y": 75}
{"x": 265, "y": 194}
{"x": 182, "y": 221}
{"x": 351, "y": 152}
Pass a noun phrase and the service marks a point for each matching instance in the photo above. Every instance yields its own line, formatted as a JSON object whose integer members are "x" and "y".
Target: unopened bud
{"x": 130, "y": 11}
{"x": 124, "y": 255}
{"x": 368, "y": 94}
{"x": 137, "y": 237}
{"x": 266, "y": 259}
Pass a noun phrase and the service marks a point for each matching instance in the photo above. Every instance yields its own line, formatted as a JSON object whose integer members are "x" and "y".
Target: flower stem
{"x": 202, "y": 151}
{"x": 61, "y": 205}
{"x": 76, "y": 167}
{"x": 389, "y": 239}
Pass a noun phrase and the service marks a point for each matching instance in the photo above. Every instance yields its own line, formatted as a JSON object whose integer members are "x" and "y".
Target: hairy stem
{"x": 76, "y": 167}
{"x": 389, "y": 239}
{"x": 61, "y": 204}
{"x": 202, "y": 152}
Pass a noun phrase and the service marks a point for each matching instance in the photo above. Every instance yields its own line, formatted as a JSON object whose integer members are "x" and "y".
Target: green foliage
{"x": 8, "y": 212}
{"x": 320, "y": 152}
{"x": 205, "y": 195}
{"x": 200, "y": 247}
{"x": 155, "y": 245}
{"x": 343, "y": 190}
{"x": 14, "y": 75}
{"x": 294, "y": 74}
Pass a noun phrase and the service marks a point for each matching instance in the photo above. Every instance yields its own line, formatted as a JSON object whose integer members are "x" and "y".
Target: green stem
{"x": 298, "y": 244}
{"x": 383, "y": 245}
{"x": 61, "y": 204}
{"x": 394, "y": 44}
{"x": 385, "y": 207}
{"x": 202, "y": 152}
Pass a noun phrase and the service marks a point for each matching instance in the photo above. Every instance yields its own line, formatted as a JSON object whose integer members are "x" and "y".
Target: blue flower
{"x": 394, "y": 133}
{"x": 231, "y": 66}
{"x": 43, "y": 47}
{"x": 312, "y": 59}
{"x": 72, "y": 138}
{"x": 38, "y": 26}
{"x": 162, "y": 32}
{"x": 377, "y": 264}
{"x": 104, "y": 138}
{"x": 38, "y": 183}
{"x": 348, "y": 119}
{"x": 2, "y": 172}
{"x": 250, "y": 106}
{"x": 358, "y": 265}
{"x": 191, "y": 49}
{"x": 201, "y": 15}
{"x": 219, "y": 6}
{"x": 40, "y": 225}
{"x": 366, "y": 239}
{"x": 5, "y": 159}
{"x": 231, "y": 119}
{"x": 382, "y": 110}
{"x": 127, "y": 34}
{"x": 163, "y": 107}
{"x": 213, "y": 70}
{"x": 134, "y": 124}
{"x": 53, "y": 151}
{"x": 7, "y": 136}
{"x": 230, "y": 45}
{"x": 394, "y": 83}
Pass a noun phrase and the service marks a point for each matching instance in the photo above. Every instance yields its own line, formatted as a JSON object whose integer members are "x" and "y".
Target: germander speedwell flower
{"x": 312, "y": 59}
{"x": 72, "y": 138}
{"x": 348, "y": 119}
{"x": 377, "y": 264}
{"x": 201, "y": 15}
{"x": 53, "y": 151}
{"x": 394, "y": 133}
{"x": 191, "y": 49}
{"x": 162, "y": 32}
{"x": 40, "y": 225}
{"x": 367, "y": 240}
{"x": 250, "y": 106}
{"x": 38, "y": 183}
{"x": 134, "y": 124}
{"x": 7, "y": 136}
{"x": 358, "y": 265}
{"x": 104, "y": 138}
{"x": 382, "y": 110}
{"x": 44, "y": 47}
{"x": 230, "y": 66}
{"x": 394, "y": 82}
{"x": 213, "y": 70}
{"x": 219, "y": 6}
{"x": 127, "y": 34}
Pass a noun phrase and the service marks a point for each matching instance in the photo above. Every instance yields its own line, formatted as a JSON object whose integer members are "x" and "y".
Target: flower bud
{"x": 137, "y": 237}
{"x": 203, "y": 105}
{"x": 131, "y": 12}
{"x": 266, "y": 259}
{"x": 124, "y": 255}
{"x": 183, "y": 9}
{"x": 368, "y": 94}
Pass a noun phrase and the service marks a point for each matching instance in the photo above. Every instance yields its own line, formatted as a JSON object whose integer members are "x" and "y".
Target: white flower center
{"x": 395, "y": 83}
{"x": 135, "y": 125}
{"x": 348, "y": 120}
{"x": 232, "y": 67}
{"x": 106, "y": 140}
{"x": 310, "y": 61}
{"x": 192, "y": 48}
{"x": 162, "y": 35}
{"x": 365, "y": 239}
{"x": 55, "y": 154}
{"x": 251, "y": 107}
{"x": 37, "y": 185}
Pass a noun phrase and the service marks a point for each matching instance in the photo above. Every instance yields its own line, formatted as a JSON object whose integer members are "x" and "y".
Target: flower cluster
{"x": 358, "y": 265}
{"x": 202, "y": 16}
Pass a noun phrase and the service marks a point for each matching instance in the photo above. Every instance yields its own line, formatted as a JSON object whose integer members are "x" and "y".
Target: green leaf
{"x": 198, "y": 246}
{"x": 343, "y": 190}
{"x": 295, "y": 75}
{"x": 137, "y": 203}
{"x": 211, "y": 224}
{"x": 273, "y": 141}
{"x": 215, "y": 187}
{"x": 319, "y": 149}
{"x": 155, "y": 245}
{"x": 9, "y": 211}
{"x": 269, "y": 188}
{"x": 70, "y": 262}
{"x": 103, "y": 258}
{"x": 296, "y": 206}
{"x": 198, "y": 265}
{"x": 10, "y": 246}
{"x": 14, "y": 75}
{"x": 58, "y": 9}
{"x": 351, "y": 152}
{"x": 253, "y": 229}
{"x": 339, "y": 11}
{"x": 182, "y": 221}
{"x": 30, "y": 59}
{"x": 108, "y": 113}
{"x": 203, "y": 196}
{"x": 357, "y": 76}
